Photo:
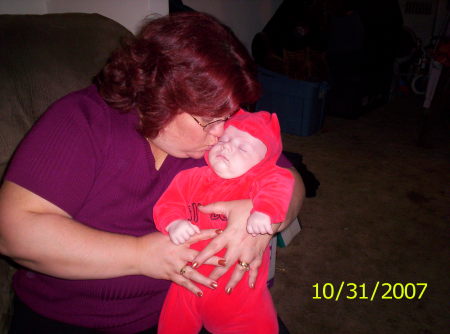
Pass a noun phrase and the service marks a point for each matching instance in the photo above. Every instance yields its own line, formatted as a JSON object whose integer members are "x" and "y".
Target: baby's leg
{"x": 249, "y": 313}
{"x": 245, "y": 310}
{"x": 179, "y": 313}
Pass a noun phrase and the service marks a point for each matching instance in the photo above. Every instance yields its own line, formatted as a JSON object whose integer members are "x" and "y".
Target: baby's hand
{"x": 181, "y": 230}
{"x": 259, "y": 223}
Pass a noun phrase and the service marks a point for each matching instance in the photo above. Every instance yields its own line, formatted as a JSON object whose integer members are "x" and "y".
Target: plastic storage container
{"x": 299, "y": 105}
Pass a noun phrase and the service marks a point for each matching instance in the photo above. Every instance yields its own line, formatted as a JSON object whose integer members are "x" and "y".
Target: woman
{"x": 76, "y": 204}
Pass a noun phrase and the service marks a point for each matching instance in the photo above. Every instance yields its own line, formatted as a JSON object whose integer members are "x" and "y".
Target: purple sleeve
{"x": 56, "y": 159}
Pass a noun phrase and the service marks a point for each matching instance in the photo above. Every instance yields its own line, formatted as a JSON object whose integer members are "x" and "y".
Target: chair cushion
{"x": 44, "y": 57}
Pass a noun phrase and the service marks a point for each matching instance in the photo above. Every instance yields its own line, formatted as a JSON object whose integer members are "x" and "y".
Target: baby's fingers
{"x": 268, "y": 229}
{"x": 255, "y": 229}
{"x": 196, "y": 229}
{"x": 175, "y": 239}
{"x": 250, "y": 229}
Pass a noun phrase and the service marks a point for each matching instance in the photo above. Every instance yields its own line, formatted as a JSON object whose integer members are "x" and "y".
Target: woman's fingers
{"x": 218, "y": 272}
{"x": 173, "y": 262}
{"x": 236, "y": 277}
{"x": 240, "y": 245}
{"x": 212, "y": 248}
{"x": 217, "y": 207}
{"x": 215, "y": 261}
{"x": 191, "y": 254}
{"x": 252, "y": 275}
{"x": 242, "y": 267}
{"x": 188, "y": 284}
{"x": 195, "y": 276}
{"x": 202, "y": 235}
{"x": 188, "y": 275}
{"x": 239, "y": 271}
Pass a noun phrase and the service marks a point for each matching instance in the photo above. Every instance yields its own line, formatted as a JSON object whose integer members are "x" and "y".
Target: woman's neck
{"x": 158, "y": 154}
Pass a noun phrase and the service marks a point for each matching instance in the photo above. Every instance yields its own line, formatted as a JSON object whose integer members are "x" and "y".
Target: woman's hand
{"x": 240, "y": 245}
{"x": 161, "y": 258}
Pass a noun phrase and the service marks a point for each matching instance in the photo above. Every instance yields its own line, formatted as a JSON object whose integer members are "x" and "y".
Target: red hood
{"x": 262, "y": 125}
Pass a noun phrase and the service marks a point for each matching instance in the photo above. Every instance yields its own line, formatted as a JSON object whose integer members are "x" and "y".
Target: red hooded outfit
{"x": 269, "y": 187}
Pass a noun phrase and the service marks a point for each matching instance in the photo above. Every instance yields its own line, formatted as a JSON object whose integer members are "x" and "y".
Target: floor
{"x": 373, "y": 254}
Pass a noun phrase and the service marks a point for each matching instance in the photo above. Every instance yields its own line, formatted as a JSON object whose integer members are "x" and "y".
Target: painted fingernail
{"x": 222, "y": 263}
{"x": 219, "y": 231}
{"x": 214, "y": 285}
{"x": 200, "y": 294}
{"x": 194, "y": 265}
{"x": 252, "y": 285}
{"x": 228, "y": 290}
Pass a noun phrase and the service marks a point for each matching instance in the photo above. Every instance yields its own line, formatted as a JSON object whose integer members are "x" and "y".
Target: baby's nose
{"x": 226, "y": 146}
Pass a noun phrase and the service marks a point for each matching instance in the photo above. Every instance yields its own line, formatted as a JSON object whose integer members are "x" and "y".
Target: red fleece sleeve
{"x": 172, "y": 203}
{"x": 272, "y": 193}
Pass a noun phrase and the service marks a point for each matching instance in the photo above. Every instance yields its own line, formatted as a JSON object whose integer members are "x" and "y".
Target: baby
{"x": 241, "y": 165}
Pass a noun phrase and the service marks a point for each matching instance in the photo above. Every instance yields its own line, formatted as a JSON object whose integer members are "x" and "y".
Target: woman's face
{"x": 183, "y": 137}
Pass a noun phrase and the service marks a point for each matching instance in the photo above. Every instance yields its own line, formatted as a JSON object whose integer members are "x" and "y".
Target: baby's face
{"x": 235, "y": 153}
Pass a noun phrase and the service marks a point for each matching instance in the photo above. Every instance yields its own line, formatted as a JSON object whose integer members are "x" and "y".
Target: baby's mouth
{"x": 221, "y": 157}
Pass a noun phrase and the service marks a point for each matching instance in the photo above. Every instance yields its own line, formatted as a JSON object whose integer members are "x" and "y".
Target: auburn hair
{"x": 183, "y": 62}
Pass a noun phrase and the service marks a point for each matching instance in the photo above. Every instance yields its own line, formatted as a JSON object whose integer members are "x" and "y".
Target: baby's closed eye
{"x": 243, "y": 148}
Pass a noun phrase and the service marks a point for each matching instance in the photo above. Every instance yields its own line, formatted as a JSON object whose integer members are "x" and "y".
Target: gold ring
{"x": 244, "y": 265}
{"x": 183, "y": 270}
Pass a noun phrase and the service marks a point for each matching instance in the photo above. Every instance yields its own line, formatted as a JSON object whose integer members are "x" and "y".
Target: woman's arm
{"x": 241, "y": 245}
{"x": 39, "y": 235}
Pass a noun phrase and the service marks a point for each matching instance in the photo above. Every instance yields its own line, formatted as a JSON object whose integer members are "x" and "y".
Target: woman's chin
{"x": 195, "y": 155}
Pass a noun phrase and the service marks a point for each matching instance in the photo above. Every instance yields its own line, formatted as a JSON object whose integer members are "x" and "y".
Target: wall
{"x": 245, "y": 17}
{"x": 129, "y": 13}
{"x": 424, "y": 24}
{"x": 23, "y": 7}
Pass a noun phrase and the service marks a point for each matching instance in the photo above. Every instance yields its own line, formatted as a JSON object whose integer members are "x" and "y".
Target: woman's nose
{"x": 217, "y": 130}
{"x": 213, "y": 141}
